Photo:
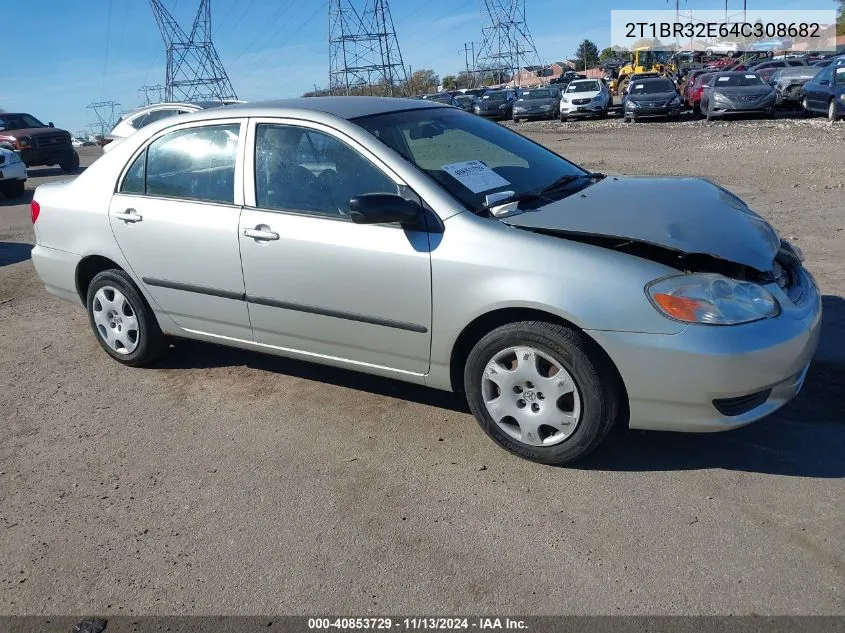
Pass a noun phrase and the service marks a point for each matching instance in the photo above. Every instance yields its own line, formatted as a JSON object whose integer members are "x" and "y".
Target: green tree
{"x": 607, "y": 53}
{"x": 587, "y": 55}
{"x": 840, "y": 18}
{"x": 450, "y": 82}
{"x": 422, "y": 81}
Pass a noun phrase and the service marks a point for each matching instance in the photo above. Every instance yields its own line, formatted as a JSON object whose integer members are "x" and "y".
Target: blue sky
{"x": 268, "y": 51}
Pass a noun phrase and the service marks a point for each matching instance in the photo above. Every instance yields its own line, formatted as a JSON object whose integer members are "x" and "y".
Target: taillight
{"x": 34, "y": 210}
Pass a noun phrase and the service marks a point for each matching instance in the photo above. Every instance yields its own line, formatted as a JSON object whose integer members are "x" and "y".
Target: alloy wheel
{"x": 116, "y": 320}
{"x": 530, "y": 396}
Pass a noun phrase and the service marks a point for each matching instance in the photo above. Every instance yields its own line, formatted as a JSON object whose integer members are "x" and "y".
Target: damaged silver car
{"x": 414, "y": 241}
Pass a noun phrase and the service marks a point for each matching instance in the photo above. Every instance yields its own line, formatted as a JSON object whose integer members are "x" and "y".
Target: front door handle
{"x": 261, "y": 234}
{"x": 130, "y": 215}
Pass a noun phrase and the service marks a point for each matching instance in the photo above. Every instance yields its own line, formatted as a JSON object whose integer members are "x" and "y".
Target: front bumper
{"x": 637, "y": 113}
{"x": 719, "y": 108}
{"x": 589, "y": 109}
{"x": 12, "y": 171}
{"x": 494, "y": 114}
{"x": 51, "y": 156}
{"x": 673, "y": 380}
{"x": 534, "y": 114}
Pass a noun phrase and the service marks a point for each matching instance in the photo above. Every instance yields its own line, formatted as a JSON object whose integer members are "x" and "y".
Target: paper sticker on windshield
{"x": 723, "y": 78}
{"x": 840, "y": 70}
{"x": 475, "y": 176}
{"x": 638, "y": 86}
{"x": 751, "y": 76}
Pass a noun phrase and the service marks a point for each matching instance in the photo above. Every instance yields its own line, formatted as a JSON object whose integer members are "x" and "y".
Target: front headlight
{"x": 675, "y": 101}
{"x": 631, "y": 105}
{"x": 597, "y": 98}
{"x": 564, "y": 100}
{"x": 711, "y": 299}
{"x": 842, "y": 97}
{"x": 718, "y": 96}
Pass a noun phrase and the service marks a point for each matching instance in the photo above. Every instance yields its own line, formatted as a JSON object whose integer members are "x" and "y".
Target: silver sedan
{"x": 415, "y": 241}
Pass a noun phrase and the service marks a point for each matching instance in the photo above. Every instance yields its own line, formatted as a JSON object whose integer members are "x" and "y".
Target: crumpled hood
{"x": 689, "y": 215}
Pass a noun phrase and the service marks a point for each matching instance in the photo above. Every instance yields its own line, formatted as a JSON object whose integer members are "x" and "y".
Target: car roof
{"x": 342, "y": 107}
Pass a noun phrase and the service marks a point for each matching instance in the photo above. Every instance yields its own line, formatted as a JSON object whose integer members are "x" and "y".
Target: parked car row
{"x": 817, "y": 88}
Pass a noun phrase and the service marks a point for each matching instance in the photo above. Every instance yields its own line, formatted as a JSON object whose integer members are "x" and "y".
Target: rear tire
{"x": 496, "y": 372}
{"x": 116, "y": 309}
{"x": 70, "y": 165}
{"x": 831, "y": 111}
{"x": 13, "y": 188}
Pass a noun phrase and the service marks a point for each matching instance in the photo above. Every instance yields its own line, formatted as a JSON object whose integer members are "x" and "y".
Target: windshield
{"x": 464, "y": 99}
{"x": 583, "y": 86}
{"x": 494, "y": 96}
{"x": 839, "y": 76}
{"x": 737, "y": 79}
{"x": 652, "y": 86}
{"x": 468, "y": 156}
{"x": 650, "y": 58}
{"x": 18, "y": 122}
{"x": 440, "y": 98}
{"x": 536, "y": 94}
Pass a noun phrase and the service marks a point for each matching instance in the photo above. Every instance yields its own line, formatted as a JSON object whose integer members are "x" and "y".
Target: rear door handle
{"x": 259, "y": 234}
{"x": 130, "y": 215}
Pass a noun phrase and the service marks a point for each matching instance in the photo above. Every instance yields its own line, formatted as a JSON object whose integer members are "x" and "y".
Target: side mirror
{"x": 383, "y": 208}
{"x": 50, "y": 124}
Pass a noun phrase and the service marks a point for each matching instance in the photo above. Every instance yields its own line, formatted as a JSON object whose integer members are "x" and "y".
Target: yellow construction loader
{"x": 644, "y": 60}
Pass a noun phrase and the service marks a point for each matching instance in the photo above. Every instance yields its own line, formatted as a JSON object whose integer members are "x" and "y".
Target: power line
{"x": 507, "y": 45}
{"x": 194, "y": 70}
{"x": 363, "y": 48}
{"x": 266, "y": 52}
{"x": 107, "y": 114}
{"x": 106, "y": 59}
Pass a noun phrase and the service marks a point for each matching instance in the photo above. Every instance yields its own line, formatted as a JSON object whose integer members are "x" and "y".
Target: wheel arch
{"x": 489, "y": 321}
{"x": 87, "y": 268}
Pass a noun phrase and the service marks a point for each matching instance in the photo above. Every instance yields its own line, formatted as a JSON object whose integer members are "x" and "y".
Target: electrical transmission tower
{"x": 194, "y": 70}
{"x": 151, "y": 94}
{"x": 506, "y": 45}
{"x": 364, "y": 55}
{"x": 107, "y": 113}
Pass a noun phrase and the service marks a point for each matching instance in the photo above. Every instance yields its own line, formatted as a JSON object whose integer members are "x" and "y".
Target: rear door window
{"x": 196, "y": 163}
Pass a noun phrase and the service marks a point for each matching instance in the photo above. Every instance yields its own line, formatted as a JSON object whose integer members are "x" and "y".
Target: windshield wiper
{"x": 565, "y": 180}
{"x": 528, "y": 196}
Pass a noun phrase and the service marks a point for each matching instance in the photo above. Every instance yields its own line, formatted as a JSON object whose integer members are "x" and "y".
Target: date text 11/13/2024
{"x": 417, "y": 623}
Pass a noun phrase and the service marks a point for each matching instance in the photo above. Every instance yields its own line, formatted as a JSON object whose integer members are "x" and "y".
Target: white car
{"x": 730, "y": 49}
{"x": 12, "y": 173}
{"x": 136, "y": 119}
{"x": 585, "y": 97}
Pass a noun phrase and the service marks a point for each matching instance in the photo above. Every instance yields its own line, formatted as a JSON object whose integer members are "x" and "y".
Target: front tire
{"x": 542, "y": 391}
{"x": 831, "y": 111}
{"x": 13, "y": 188}
{"x": 123, "y": 323}
{"x": 70, "y": 165}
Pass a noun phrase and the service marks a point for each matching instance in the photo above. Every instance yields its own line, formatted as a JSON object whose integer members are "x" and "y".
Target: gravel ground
{"x": 226, "y": 482}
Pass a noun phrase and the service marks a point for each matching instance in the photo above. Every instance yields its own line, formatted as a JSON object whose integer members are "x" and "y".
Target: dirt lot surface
{"x": 230, "y": 482}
